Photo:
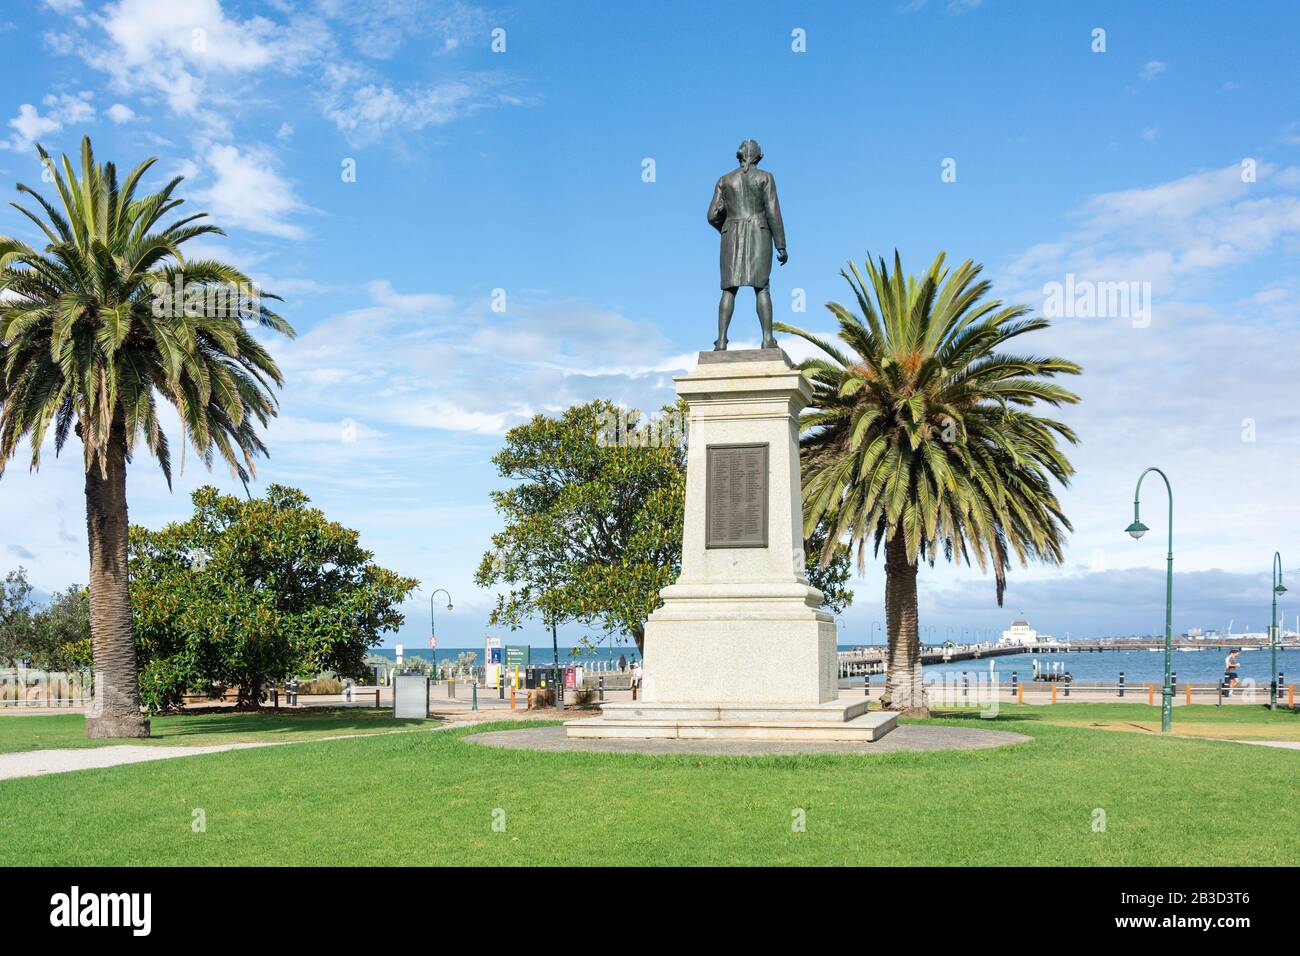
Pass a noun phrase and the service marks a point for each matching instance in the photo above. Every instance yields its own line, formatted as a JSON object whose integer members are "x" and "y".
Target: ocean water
{"x": 1139, "y": 666}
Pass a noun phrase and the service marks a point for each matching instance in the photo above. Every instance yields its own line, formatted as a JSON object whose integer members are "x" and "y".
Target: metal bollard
{"x": 473, "y": 703}
{"x": 275, "y": 697}
{"x": 1014, "y": 682}
{"x": 965, "y": 683}
{"x": 1223, "y": 691}
{"x": 451, "y": 688}
{"x": 600, "y": 687}
{"x": 1173, "y": 685}
{"x": 1121, "y": 683}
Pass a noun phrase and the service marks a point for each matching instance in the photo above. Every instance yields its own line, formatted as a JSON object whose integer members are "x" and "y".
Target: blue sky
{"x": 1170, "y": 158}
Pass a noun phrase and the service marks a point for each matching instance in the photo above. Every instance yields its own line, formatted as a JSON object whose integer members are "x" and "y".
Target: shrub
{"x": 321, "y": 685}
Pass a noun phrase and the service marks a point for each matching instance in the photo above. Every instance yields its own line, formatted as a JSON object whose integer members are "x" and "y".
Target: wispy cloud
{"x": 432, "y": 361}
{"x": 1151, "y": 69}
{"x": 247, "y": 191}
{"x": 61, "y": 109}
{"x": 203, "y": 60}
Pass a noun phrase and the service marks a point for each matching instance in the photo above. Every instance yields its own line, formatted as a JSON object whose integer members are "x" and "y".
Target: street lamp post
{"x": 1278, "y": 588}
{"x": 433, "y": 633}
{"x": 1137, "y": 529}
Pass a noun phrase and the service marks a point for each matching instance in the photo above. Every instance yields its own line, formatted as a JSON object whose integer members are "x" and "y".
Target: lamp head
{"x": 1137, "y": 529}
{"x": 449, "y": 607}
{"x": 1280, "y": 589}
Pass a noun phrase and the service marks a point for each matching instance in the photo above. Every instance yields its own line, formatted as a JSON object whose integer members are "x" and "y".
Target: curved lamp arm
{"x": 1137, "y": 529}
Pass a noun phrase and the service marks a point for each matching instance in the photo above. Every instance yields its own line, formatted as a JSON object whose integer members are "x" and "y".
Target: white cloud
{"x": 1203, "y": 391}
{"x": 1150, "y": 133}
{"x": 249, "y": 193}
{"x": 205, "y": 60}
{"x": 29, "y": 126}
{"x": 380, "y": 28}
{"x": 62, "y": 109}
{"x": 1151, "y": 70}
{"x": 1172, "y": 233}
{"x": 382, "y": 291}
{"x": 428, "y": 361}
{"x": 286, "y": 429}
{"x": 169, "y": 48}
{"x": 365, "y": 107}
{"x": 120, "y": 113}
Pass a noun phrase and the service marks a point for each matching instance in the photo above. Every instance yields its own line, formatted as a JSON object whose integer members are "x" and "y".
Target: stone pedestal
{"x": 741, "y": 646}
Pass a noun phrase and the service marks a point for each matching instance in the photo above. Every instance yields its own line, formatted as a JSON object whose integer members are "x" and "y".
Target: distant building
{"x": 1020, "y": 634}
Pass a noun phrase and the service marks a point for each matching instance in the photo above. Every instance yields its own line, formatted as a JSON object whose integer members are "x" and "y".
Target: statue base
{"x": 741, "y": 646}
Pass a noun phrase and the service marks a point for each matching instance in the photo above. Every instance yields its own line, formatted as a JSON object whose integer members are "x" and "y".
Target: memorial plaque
{"x": 736, "y": 500}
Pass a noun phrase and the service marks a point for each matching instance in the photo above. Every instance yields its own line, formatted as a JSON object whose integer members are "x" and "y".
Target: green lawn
{"x": 1235, "y": 722}
{"x": 61, "y": 731}
{"x": 430, "y": 798}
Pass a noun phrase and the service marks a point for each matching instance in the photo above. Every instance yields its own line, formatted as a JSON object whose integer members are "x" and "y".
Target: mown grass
{"x": 1230, "y": 722}
{"x": 432, "y": 798}
{"x": 62, "y": 731}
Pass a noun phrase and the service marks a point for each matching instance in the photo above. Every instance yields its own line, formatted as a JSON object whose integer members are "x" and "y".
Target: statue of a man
{"x": 744, "y": 209}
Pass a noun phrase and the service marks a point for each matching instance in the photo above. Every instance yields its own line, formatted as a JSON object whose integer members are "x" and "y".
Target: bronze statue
{"x": 744, "y": 209}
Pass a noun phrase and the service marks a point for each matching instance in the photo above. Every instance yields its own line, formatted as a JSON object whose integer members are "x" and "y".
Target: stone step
{"x": 835, "y": 711}
{"x": 864, "y": 728}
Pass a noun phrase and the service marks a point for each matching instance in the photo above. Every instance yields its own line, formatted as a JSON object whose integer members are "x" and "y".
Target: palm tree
{"x": 94, "y": 329}
{"x": 919, "y": 438}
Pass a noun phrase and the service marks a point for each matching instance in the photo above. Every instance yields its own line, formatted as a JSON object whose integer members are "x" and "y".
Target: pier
{"x": 860, "y": 661}
{"x": 866, "y": 661}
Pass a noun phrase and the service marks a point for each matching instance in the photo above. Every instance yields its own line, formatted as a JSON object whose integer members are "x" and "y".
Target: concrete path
{"x": 907, "y": 737}
{"x": 35, "y": 763}
{"x": 1284, "y": 744}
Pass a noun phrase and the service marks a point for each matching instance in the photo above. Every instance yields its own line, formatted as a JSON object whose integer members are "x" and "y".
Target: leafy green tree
{"x": 250, "y": 590}
{"x": 593, "y": 525}
{"x": 97, "y": 327}
{"x": 919, "y": 439}
{"x": 54, "y": 637}
{"x": 16, "y": 610}
{"x": 61, "y": 632}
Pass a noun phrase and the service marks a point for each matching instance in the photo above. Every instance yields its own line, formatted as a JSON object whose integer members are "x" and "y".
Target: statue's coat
{"x": 745, "y": 210}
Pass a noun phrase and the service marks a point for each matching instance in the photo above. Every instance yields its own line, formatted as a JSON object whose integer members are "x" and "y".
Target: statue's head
{"x": 749, "y": 153}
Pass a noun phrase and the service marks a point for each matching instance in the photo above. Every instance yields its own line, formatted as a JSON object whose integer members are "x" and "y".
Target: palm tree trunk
{"x": 904, "y": 688}
{"x": 116, "y": 711}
